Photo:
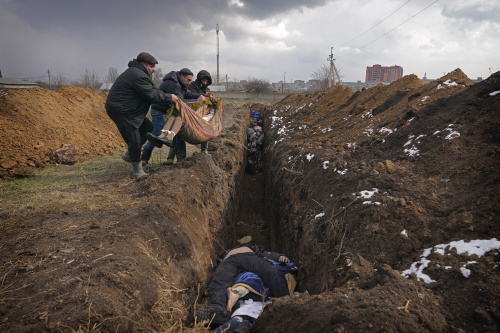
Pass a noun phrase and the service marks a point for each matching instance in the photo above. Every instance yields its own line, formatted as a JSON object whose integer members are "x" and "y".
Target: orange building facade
{"x": 383, "y": 73}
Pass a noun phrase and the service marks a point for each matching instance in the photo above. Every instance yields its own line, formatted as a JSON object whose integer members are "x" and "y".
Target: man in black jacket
{"x": 200, "y": 86}
{"x": 128, "y": 103}
{"x": 175, "y": 83}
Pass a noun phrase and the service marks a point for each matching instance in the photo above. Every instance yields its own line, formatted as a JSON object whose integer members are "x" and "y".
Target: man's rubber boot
{"x": 169, "y": 161}
{"x": 138, "y": 172}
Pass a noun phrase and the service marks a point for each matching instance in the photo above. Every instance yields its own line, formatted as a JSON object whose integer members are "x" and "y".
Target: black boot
{"x": 146, "y": 155}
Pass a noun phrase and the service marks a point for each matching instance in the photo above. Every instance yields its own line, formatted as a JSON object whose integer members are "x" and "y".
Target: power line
{"x": 388, "y": 31}
{"x": 375, "y": 24}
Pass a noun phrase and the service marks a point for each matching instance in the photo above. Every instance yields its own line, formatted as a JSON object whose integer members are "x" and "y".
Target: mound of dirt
{"x": 392, "y": 172}
{"x": 39, "y": 126}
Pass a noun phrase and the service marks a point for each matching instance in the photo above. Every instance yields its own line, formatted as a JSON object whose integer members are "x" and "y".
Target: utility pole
{"x": 48, "y": 73}
{"x": 217, "y": 31}
{"x": 227, "y": 84}
{"x": 284, "y": 83}
{"x": 333, "y": 71}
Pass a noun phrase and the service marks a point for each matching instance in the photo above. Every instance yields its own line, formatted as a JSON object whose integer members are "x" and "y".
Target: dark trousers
{"x": 178, "y": 150}
{"x": 228, "y": 270}
{"x": 134, "y": 137}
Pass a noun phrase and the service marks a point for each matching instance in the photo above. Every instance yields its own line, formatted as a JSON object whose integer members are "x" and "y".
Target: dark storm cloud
{"x": 56, "y": 13}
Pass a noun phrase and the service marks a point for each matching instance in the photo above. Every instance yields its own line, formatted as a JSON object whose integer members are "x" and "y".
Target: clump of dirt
{"x": 392, "y": 172}
{"x": 37, "y": 124}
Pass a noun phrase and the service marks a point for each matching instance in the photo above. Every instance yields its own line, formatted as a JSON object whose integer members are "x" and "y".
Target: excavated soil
{"x": 355, "y": 187}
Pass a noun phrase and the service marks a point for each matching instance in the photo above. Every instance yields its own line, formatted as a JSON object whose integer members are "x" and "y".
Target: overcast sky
{"x": 270, "y": 39}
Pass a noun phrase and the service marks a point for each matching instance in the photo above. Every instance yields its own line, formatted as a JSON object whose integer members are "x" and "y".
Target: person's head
{"x": 186, "y": 76}
{"x": 204, "y": 78}
{"x": 148, "y": 61}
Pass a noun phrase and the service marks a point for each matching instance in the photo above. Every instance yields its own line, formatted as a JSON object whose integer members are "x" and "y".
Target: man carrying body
{"x": 175, "y": 83}
{"x": 200, "y": 86}
{"x": 128, "y": 103}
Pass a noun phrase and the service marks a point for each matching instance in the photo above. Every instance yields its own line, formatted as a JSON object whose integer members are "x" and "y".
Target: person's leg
{"x": 223, "y": 278}
{"x": 180, "y": 148}
{"x": 172, "y": 127}
{"x": 270, "y": 275}
{"x": 132, "y": 137}
{"x": 204, "y": 147}
{"x": 171, "y": 156}
{"x": 145, "y": 127}
{"x": 158, "y": 118}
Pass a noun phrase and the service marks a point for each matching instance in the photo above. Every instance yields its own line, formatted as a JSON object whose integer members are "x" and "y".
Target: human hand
{"x": 284, "y": 259}
{"x": 201, "y": 98}
{"x": 175, "y": 99}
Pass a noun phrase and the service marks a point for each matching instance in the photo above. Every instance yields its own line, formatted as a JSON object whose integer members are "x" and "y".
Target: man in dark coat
{"x": 175, "y": 83}
{"x": 200, "y": 86}
{"x": 128, "y": 103}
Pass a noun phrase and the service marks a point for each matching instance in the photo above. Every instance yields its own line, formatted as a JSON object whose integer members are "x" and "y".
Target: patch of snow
{"x": 425, "y": 98}
{"x": 342, "y": 172}
{"x": 465, "y": 272}
{"x": 452, "y": 135}
{"x": 385, "y": 130}
{"x": 412, "y": 151}
{"x": 411, "y": 136}
{"x": 309, "y": 157}
{"x": 366, "y": 194}
{"x": 371, "y": 203}
{"x": 478, "y": 247}
{"x": 368, "y": 131}
{"x": 325, "y": 164}
{"x": 494, "y": 93}
{"x": 404, "y": 233}
{"x": 367, "y": 115}
{"x": 319, "y": 215}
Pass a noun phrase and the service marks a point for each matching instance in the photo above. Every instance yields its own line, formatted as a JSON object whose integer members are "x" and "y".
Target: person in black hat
{"x": 175, "y": 83}
{"x": 128, "y": 103}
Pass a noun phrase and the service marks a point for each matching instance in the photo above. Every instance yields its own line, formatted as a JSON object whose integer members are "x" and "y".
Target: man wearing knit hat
{"x": 128, "y": 103}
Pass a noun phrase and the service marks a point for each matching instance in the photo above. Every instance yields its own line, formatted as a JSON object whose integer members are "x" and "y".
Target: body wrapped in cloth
{"x": 202, "y": 121}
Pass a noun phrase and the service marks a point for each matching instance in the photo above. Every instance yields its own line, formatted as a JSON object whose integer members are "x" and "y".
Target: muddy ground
{"x": 355, "y": 187}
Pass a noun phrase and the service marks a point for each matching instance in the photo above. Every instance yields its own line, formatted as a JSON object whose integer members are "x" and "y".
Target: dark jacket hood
{"x": 203, "y": 74}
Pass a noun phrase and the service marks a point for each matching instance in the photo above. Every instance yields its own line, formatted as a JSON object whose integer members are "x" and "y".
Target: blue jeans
{"x": 159, "y": 119}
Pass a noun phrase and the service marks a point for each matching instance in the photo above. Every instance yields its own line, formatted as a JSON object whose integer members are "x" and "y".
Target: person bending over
{"x": 128, "y": 103}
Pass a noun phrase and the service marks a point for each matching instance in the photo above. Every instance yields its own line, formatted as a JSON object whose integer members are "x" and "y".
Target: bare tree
{"x": 157, "y": 77}
{"x": 320, "y": 78}
{"x": 88, "y": 80}
{"x": 112, "y": 75}
{"x": 258, "y": 85}
{"x": 61, "y": 81}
